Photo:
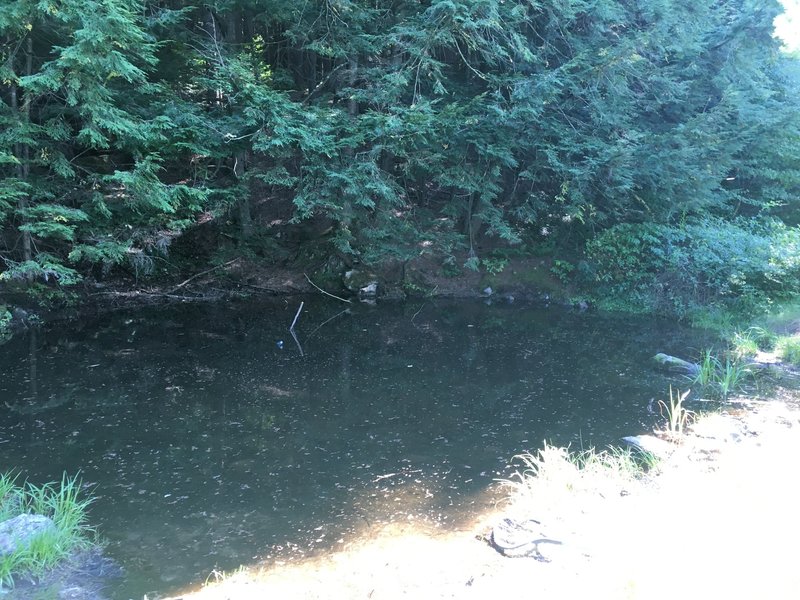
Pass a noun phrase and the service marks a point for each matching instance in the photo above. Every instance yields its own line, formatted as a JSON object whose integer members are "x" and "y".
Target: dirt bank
{"x": 519, "y": 279}
{"x": 717, "y": 520}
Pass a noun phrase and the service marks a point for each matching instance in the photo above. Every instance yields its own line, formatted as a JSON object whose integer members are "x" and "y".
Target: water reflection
{"x": 210, "y": 444}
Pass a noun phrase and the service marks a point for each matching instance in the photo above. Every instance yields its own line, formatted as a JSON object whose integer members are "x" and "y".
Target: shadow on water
{"x": 211, "y": 442}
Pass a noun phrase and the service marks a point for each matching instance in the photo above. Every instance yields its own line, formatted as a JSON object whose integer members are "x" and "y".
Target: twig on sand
{"x": 324, "y": 292}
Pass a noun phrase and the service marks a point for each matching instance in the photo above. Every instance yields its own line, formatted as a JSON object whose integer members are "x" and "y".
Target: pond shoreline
{"x": 182, "y": 349}
{"x": 527, "y": 280}
{"x": 210, "y": 442}
{"x": 714, "y": 519}
{"x": 725, "y": 478}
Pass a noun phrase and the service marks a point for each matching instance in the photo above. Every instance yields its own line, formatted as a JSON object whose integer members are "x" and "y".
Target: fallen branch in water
{"x": 346, "y": 310}
{"x": 324, "y": 292}
{"x": 419, "y": 311}
{"x": 299, "y": 310}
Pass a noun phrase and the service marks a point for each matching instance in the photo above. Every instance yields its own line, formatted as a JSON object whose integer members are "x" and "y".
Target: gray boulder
{"x": 354, "y": 279}
{"x": 676, "y": 365}
{"x": 18, "y": 532}
{"x": 369, "y": 291}
{"x": 651, "y": 444}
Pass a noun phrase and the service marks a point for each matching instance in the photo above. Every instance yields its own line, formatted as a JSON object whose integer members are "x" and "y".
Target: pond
{"x": 212, "y": 438}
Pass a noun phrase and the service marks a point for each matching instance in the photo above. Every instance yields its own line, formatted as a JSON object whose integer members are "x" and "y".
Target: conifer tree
{"x": 396, "y": 127}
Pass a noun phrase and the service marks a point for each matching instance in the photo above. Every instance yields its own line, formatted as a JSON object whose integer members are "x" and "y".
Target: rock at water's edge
{"x": 648, "y": 443}
{"x": 19, "y": 531}
{"x": 676, "y": 364}
{"x": 369, "y": 291}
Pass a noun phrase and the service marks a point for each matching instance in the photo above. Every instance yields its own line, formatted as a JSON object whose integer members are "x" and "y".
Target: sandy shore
{"x": 718, "y": 519}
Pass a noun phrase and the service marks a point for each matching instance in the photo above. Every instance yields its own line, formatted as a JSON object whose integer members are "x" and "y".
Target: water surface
{"x": 211, "y": 441}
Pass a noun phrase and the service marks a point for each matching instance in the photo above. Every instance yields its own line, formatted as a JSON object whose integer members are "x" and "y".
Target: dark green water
{"x": 209, "y": 446}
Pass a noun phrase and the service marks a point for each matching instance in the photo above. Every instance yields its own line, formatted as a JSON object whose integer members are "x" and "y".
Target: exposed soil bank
{"x": 718, "y": 520}
{"x": 527, "y": 279}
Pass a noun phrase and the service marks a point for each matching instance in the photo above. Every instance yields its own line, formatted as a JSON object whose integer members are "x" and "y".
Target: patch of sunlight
{"x": 787, "y": 25}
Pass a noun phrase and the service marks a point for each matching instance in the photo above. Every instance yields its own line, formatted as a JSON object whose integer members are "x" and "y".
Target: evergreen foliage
{"x": 399, "y": 128}
{"x": 742, "y": 264}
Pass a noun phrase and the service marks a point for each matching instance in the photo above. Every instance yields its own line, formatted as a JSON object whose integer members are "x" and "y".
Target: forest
{"x": 649, "y": 150}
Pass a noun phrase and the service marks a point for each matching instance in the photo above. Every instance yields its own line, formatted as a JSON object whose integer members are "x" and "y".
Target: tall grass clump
{"x": 676, "y": 414}
{"x": 731, "y": 376}
{"x": 620, "y": 463}
{"x": 720, "y": 377}
{"x": 553, "y": 476}
{"x": 744, "y": 344}
{"x": 63, "y": 503}
{"x": 10, "y": 496}
{"x": 708, "y": 368}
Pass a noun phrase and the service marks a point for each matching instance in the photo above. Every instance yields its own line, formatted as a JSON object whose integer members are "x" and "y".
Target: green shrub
{"x": 741, "y": 266}
{"x": 562, "y": 269}
{"x": 494, "y": 266}
{"x": 749, "y": 342}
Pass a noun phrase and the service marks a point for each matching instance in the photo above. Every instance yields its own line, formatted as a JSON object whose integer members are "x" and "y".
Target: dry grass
{"x": 718, "y": 521}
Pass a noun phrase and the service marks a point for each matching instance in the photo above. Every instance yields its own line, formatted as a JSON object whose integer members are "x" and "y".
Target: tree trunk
{"x": 233, "y": 39}
{"x": 23, "y": 153}
{"x": 244, "y": 216}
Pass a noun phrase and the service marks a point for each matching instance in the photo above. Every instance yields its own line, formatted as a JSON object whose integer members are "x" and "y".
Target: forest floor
{"x": 717, "y": 518}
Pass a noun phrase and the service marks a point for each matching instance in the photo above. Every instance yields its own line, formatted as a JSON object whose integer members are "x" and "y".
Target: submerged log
{"x": 676, "y": 365}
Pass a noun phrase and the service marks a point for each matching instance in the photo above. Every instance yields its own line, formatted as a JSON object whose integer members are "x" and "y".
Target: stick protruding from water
{"x": 291, "y": 329}
{"x": 299, "y": 310}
